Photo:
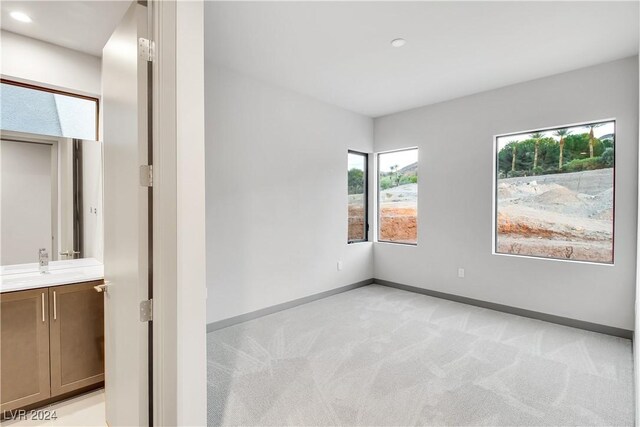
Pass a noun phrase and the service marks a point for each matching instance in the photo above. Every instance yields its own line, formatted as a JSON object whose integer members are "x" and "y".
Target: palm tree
{"x": 561, "y": 133}
{"x": 514, "y": 148}
{"x": 394, "y": 173}
{"x": 536, "y": 138}
{"x": 591, "y": 137}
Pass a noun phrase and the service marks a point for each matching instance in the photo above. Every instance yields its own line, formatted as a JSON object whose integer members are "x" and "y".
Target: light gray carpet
{"x": 382, "y": 356}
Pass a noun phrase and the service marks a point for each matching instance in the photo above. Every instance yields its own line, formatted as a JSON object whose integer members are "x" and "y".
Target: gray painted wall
{"x": 276, "y": 194}
{"x": 455, "y": 187}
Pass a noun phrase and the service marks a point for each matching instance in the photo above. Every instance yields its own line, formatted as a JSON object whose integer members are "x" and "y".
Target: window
{"x": 554, "y": 193}
{"x": 357, "y": 196}
{"x": 43, "y": 111}
{"x": 398, "y": 196}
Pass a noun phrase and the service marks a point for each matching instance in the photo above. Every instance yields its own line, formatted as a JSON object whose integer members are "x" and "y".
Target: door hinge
{"x": 146, "y": 49}
{"x": 146, "y": 175}
{"x": 146, "y": 310}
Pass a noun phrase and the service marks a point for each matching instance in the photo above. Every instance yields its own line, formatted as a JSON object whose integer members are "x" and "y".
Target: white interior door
{"x": 124, "y": 91}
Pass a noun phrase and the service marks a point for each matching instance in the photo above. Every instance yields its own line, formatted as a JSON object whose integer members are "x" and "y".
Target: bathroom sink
{"x": 53, "y": 265}
{"x": 57, "y": 276}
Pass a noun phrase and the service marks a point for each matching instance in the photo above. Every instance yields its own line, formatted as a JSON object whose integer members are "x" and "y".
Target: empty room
{"x": 319, "y": 213}
{"x": 410, "y": 212}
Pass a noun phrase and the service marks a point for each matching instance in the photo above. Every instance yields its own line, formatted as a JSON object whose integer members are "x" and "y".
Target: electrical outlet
{"x": 461, "y": 273}
{"x": 339, "y": 266}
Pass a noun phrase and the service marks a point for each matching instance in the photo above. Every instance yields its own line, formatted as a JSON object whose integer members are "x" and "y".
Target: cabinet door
{"x": 76, "y": 319}
{"x": 24, "y": 348}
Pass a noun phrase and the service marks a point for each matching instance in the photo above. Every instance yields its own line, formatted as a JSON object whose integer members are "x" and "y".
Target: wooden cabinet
{"x": 76, "y": 333}
{"x": 24, "y": 348}
{"x": 51, "y": 343}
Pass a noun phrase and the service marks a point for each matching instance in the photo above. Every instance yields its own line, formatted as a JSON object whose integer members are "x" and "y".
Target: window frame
{"x": 378, "y": 204}
{"x": 366, "y": 197}
{"x": 494, "y": 192}
{"x": 59, "y": 92}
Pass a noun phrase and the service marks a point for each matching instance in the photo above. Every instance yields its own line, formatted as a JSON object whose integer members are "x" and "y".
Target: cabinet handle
{"x": 55, "y": 312}
{"x": 42, "y": 307}
{"x": 103, "y": 287}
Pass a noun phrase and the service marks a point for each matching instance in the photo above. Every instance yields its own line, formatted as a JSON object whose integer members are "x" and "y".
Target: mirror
{"x": 50, "y": 197}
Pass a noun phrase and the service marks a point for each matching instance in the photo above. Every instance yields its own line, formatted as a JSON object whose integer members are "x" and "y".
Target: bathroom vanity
{"x": 51, "y": 332}
{"x": 51, "y": 272}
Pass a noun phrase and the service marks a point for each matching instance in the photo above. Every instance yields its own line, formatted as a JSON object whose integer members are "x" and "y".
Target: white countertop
{"x": 22, "y": 277}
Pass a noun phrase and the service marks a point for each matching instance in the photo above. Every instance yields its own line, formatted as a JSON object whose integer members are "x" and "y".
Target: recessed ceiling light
{"x": 20, "y": 16}
{"x": 398, "y": 42}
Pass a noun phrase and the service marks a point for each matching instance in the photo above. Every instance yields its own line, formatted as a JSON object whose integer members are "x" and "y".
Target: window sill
{"x": 411, "y": 245}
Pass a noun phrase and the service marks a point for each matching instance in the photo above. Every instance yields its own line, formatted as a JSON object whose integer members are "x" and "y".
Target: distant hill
{"x": 411, "y": 169}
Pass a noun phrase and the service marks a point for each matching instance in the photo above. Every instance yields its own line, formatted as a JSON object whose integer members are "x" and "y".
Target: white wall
{"x": 455, "y": 206}
{"x": 276, "y": 172}
{"x": 179, "y": 299}
{"x": 191, "y": 215}
{"x": 34, "y": 61}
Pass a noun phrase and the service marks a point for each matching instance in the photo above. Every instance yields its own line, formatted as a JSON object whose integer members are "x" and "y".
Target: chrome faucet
{"x": 43, "y": 260}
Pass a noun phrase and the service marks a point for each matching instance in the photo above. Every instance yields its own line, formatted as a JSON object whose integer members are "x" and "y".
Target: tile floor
{"x": 86, "y": 410}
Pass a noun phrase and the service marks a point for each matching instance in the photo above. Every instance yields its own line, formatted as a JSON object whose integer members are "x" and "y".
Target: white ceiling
{"x": 80, "y": 25}
{"x": 339, "y": 52}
